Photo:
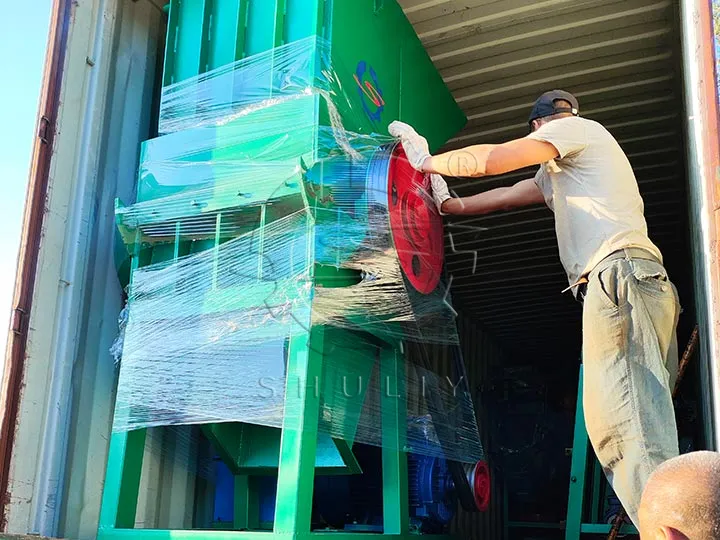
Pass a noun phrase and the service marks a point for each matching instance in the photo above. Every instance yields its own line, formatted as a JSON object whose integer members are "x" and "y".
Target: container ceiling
{"x": 621, "y": 60}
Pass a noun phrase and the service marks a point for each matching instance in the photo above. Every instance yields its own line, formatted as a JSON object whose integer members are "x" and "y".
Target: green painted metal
{"x": 387, "y": 75}
{"x": 246, "y": 514}
{"x": 602, "y": 528}
{"x": 186, "y": 46}
{"x": 224, "y": 31}
{"x": 175, "y": 534}
{"x": 304, "y": 18}
{"x": 361, "y": 33}
{"x": 130, "y": 484}
{"x": 578, "y": 464}
{"x": 113, "y": 487}
{"x": 125, "y": 456}
{"x": 264, "y": 25}
{"x": 228, "y": 39}
{"x": 534, "y": 525}
{"x": 384, "y": 39}
{"x": 583, "y": 460}
{"x": 252, "y": 449}
{"x": 394, "y": 459}
{"x": 597, "y": 484}
{"x": 206, "y": 34}
{"x": 299, "y": 434}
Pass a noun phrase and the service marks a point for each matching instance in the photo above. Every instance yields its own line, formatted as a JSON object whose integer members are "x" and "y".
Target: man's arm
{"x": 491, "y": 159}
{"x": 524, "y": 193}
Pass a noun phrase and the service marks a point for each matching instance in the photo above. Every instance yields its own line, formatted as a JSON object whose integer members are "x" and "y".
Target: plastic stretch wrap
{"x": 260, "y": 216}
{"x": 218, "y": 97}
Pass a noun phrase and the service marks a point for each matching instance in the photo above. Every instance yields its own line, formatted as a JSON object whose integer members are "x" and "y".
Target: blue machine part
{"x": 267, "y": 493}
{"x": 350, "y": 201}
{"x": 223, "y": 508}
{"x": 354, "y": 502}
{"x": 224, "y": 489}
{"x": 432, "y": 500}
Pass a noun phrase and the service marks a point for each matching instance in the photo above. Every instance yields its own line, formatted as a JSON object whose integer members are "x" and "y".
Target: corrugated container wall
{"x": 107, "y": 93}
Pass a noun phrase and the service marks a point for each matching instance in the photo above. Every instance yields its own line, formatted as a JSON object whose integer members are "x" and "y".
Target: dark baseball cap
{"x": 545, "y": 105}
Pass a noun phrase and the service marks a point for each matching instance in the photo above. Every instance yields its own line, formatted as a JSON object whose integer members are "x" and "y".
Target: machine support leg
{"x": 578, "y": 465}
{"x": 246, "y": 510}
{"x": 396, "y": 513}
{"x": 298, "y": 443}
{"x": 125, "y": 455}
{"x": 598, "y": 479}
{"x": 122, "y": 479}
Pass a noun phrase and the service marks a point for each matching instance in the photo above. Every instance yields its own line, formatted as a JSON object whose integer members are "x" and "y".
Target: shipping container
{"x": 643, "y": 68}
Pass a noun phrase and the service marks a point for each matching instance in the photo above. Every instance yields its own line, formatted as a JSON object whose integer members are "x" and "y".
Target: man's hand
{"x": 415, "y": 146}
{"x": 440, "y": 191}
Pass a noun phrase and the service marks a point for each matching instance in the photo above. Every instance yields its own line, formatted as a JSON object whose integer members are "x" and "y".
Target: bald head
{"x": 681, "y": 500}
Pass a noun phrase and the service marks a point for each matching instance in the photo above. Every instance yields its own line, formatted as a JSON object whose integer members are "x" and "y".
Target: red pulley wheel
{"x": 481, "y": 486}
{"x": 416, "y": 225}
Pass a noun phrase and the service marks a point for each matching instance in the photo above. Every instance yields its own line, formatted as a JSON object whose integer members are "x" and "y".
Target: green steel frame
{"x": 296, "y": 470}
{"x": 583, "y": 463}
{"x": 297, "y": 456}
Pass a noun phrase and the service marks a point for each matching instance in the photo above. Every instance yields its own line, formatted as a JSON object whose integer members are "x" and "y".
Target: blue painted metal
{"x": 224, "y": 493}
{"x": 432, "y": 501}
{"x": 353, "y": 503}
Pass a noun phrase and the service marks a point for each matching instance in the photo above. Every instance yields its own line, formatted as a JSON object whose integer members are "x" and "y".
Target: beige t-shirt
{"x": 593, "y": 192}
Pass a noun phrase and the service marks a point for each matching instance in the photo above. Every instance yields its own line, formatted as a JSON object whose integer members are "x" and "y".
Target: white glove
{"x": 415, "y": 146}
{"x": 440, "y": 191}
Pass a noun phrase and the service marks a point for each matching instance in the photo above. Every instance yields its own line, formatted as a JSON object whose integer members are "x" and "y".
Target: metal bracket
{"x": 18, "y": 321}
{"x": 44, "y": 129}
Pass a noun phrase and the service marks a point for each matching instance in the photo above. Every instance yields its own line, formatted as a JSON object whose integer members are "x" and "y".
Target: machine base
{"x": 172, "y": 534}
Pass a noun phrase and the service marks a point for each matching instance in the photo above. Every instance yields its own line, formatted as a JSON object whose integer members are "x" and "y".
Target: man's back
{"x": 592, "y": 189}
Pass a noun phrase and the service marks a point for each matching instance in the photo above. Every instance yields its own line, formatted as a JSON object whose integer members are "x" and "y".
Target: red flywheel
{"x": 416, "y": 225}
{"x": 481, "y": 485}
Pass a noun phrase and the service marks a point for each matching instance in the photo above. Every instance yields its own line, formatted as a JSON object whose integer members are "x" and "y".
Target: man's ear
{"x": 669, "y": 533}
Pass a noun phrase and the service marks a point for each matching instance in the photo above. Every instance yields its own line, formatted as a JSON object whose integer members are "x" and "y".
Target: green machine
{"x": 281, "y": 251}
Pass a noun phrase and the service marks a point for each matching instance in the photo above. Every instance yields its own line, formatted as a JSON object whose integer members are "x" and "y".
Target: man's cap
{"x": 545, "y": 105}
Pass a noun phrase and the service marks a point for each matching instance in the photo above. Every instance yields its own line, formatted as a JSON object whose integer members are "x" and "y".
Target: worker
{"x": 630, "y": 306}
{"x": 681, "y": 500}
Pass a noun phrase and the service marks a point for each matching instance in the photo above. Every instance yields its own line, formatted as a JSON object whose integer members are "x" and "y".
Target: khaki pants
{"x": 630, "y": 357}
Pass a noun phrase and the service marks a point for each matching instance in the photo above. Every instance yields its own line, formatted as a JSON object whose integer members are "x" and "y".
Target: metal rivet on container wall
{"x": 573, "y": 479}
